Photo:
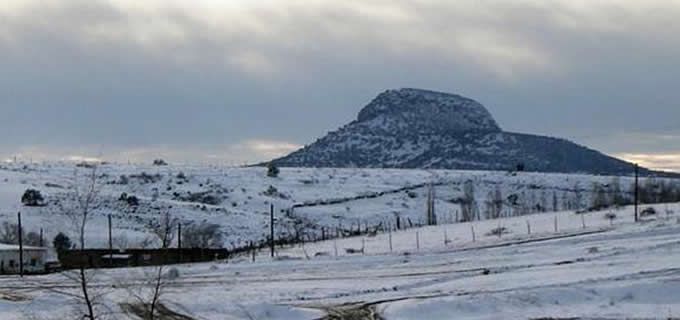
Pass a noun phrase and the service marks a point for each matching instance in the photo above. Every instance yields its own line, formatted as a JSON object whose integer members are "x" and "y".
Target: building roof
{"x": 15, "y": 247}
{"x": 117, "y": 256}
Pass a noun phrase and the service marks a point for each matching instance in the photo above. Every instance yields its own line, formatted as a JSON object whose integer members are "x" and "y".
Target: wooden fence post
{"x": 528, "y": 227}
{"x": 335, "y": 246}
{"x": 583, "y": 220}
{"x": 417, "y": 241}
{"x": 389, "y": 234}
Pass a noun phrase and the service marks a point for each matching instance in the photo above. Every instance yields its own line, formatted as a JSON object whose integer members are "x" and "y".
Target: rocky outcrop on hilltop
{"x": 413, "y": 128}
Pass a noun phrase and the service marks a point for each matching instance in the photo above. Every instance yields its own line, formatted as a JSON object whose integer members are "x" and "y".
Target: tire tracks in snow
{"x": 370, "y": 310}
{"x": 476, "y": 272}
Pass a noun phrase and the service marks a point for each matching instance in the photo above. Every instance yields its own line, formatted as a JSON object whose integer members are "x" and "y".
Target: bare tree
{"x": 431, "y": 215}
{"x": 616, "y": 195}
{"x": 164, "y": 230}
{"x": 9, "y": 233}
{"x": 150, "y": 291}
{"x": 566, "y": 201}
{"x": 649, "y": 191}
{"x": 32, "y": 239}
{"x": 488, "y": 206}
{"x": 494, "y": 204}
{"x": 578, "y": 197}
{"x": 533, "y": 202}
{"x": 598, "y": 198}
{"x": 78, "y": 206}
{"x": 468, "y": 206}
{"x": 543, "y": 202}
{"x": 498, "y": 202}
{"x": 520, "y": 206}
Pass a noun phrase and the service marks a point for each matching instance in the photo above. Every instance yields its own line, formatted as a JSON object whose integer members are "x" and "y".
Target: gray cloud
{"x": 102, "y": 77}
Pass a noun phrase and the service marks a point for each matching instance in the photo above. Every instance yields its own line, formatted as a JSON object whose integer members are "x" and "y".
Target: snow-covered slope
{"x": 413, "y": 128}
{"x": 308, "y": 202}
{"x": 619, "y": 270}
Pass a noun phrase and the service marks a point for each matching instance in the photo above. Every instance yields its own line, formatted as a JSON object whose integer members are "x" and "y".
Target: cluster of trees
{"x": 159, "y": 162}
{"x": 272, "y": 170}
{"x": 650, "y": 190}
{"x": 32, "y": 198}
{"x": 198, "y": 235}
{"x": 598, "y": 196}
{"x": 654, "y": 190}
{"x": 604, "y": 196}
{"x": 9, "y": 234}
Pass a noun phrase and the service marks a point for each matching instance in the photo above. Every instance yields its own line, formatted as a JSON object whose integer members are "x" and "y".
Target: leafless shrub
{"x": 498, "y": 231}
{"x": 649, "y": 211}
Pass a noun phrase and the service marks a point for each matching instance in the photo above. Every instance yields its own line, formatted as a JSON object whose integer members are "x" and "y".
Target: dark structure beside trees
{"x": 105, "y": 258}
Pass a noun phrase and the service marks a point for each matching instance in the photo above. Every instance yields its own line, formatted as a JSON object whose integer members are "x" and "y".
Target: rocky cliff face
{"x": 412, "y": 128}
{"x": 429, "y": 112}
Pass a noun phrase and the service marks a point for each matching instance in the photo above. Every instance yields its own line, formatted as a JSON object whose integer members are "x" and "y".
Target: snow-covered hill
{"x": 413, "y": 128}
{"x": 308, "y": 202}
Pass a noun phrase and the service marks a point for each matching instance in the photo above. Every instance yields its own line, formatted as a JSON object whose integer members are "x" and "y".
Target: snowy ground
{"x": 243, "y": 201}
{"x": 603, "y": 271}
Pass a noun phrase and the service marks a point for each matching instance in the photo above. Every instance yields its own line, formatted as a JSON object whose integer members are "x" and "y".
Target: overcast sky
{"x": 229, "y": 81}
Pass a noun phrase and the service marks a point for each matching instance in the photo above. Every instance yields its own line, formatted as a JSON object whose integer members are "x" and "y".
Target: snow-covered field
{"x": 603, "y": 271}
{"x": 239, "y": 198}
{"x": 553, "y": 263}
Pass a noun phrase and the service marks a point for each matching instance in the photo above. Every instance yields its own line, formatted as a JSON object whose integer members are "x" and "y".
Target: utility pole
{"x": 21, "y": 246}
{"x": 637, "y": 192}
{"x": 110, "y": 243}
{"x": 179, "y": 241}
{"x": 271, "y": 228}
{"x": 431, "y": 215}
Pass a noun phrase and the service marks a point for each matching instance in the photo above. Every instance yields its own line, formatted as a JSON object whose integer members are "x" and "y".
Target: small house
{"x": 34, "y": 259}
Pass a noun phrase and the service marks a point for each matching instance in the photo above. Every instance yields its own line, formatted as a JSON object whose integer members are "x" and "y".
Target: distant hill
{"x": 414, "y": 128}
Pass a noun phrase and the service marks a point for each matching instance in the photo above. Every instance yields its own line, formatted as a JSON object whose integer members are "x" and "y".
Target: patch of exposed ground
{"x": 353, "y": 311}
{"x": 163, "y": 312}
